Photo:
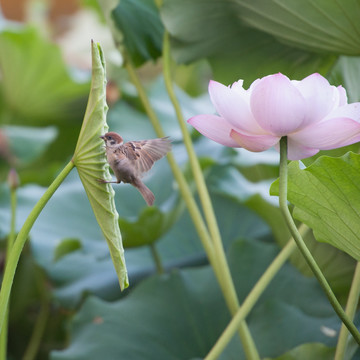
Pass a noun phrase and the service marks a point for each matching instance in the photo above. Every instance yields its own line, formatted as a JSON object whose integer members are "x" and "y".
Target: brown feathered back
{"x": 143, "y": 153}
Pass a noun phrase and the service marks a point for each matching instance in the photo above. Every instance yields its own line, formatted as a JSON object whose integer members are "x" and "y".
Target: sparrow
{"x": 131, "y": 160}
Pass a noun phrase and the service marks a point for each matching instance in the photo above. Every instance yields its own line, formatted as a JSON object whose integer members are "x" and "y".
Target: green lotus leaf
{"x": 66, "y": 247}
{"x": 140, "y": 24}
{"x": 218, "y": 32}
{"x": 150, "y": 226}
{"x": 35, "y": 82}
{"x": 327, "y": 199}
{"x": 291, "y": 312}
{"x": 306, "y": 24}
{"x": 89, "y": 159}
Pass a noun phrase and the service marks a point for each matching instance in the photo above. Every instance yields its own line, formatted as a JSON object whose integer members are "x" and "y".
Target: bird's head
{"x": 112, "y": 139}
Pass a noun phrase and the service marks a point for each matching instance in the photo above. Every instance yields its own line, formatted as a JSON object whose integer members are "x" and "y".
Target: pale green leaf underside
{"x": 326, "y": 196}
{"x": 216, "y": 30}
{"x": 89, "y": 159}
{"x": 316, "y": 25}
{"x": 35, "y": 81}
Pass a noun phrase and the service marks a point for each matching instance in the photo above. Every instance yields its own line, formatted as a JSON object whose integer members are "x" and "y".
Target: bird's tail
{"x": 145, "y": 192}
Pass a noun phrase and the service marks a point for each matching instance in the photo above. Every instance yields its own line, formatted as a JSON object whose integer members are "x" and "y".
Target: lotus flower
{"x": 313, "y": 115}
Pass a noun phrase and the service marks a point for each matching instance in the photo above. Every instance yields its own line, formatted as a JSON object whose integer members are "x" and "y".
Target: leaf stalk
{"x": 219, "y": 261}
{"x": 251, "y": 299}
{"x": 283, "y": 178}
{"x": 20, "y": 241}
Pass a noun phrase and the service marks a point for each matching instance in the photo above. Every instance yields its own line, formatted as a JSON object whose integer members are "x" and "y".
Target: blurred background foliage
{"x": 65, "y": 274}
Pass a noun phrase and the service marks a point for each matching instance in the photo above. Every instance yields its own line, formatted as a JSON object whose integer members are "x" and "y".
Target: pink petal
{"x": 297, "y": 151}
{"x": 215, "y": 128}
{"x": 254, "y": 143}
{"x": 342, "y": 96}
{"x": 320, "y": 97}
{"x": 277, "y": 105}
{"x": 233, "y": 105}
{"x": 329, "y": 134}
{"x": 351, "y": 111}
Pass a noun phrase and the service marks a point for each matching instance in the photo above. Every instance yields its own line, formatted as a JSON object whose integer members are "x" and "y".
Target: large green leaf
{"x": 35, "y": 82}
{"x": 89, "y": 159}
{"x": 38, "y": 89}
{"x": 317, "y": 25}
{"x": 326, "y": 196}
{"x": 139, "y": 23}
{"x": 337, "y": 266}
{"x": 215, "y": 30}
{"x": 265, "y": 56}
{"x": 180, "y": 315}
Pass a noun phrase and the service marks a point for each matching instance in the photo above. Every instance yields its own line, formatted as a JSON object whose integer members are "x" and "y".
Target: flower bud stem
{"x": 219, "y": 262}
{"x": 252, "y": 298}
{"x": 283, "y": 179}
{"x": 23, "y": 235}
{"x": 13, "y": 200}
{"x": 351, "y": 306}
{"x": 157, "y": 259}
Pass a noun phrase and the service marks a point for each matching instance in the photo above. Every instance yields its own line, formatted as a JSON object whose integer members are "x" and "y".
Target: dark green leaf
{"x": 151, "y": 224}
{"x": 141, "y": 27}
{"x": 78, "y": 273}
{"x": 65, "y": 247}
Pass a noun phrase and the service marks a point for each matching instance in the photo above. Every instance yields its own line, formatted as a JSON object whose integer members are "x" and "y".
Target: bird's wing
{"x": 144, "y": 153}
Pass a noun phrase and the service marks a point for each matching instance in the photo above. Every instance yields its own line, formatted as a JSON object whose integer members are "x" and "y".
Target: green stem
{"x": 193, "y": 159}
{"x": 32, "y": 349}
{"x": 251, "y": 299}
{"x": 157, "y": 260}
{"x": 302, "y": 246}
{"x": 143, "y": 97}
{"x": 38, "y": 332}
{"x": 178, "y": 175}
{"x": 351, "y": 306}
{"x": 4, "y": 337}
{"x": 11, "y": 238}
{"x": 10, "y": 242}
{"x": 21, "y": 239}
{"x": 220, "y": 261}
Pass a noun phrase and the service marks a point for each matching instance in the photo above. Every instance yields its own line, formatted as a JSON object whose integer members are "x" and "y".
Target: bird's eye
{"x": 109, "y": 137}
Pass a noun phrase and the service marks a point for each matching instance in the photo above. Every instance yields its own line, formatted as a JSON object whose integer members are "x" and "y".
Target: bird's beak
{"x": 102, "y": 137}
